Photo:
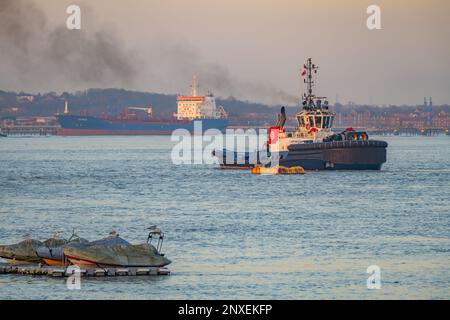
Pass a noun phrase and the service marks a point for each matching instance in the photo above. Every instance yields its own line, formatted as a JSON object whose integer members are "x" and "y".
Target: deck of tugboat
{"x": 37, "y": 270}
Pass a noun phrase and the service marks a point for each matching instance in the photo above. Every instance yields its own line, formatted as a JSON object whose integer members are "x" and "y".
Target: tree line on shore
{"x": 113, "y": 101}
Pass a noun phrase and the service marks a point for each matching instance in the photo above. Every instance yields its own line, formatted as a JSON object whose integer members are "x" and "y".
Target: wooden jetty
{"x": 38, "y": 270}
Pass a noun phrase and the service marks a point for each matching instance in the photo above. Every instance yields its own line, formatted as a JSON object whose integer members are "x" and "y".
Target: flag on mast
{"x": 303, "y": 73}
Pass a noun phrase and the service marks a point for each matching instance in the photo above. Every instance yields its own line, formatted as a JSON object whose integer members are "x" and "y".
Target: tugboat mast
{"x": 309, "y": 97}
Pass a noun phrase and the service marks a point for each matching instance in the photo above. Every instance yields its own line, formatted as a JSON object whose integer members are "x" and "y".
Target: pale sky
{"x": 250, "y": 49}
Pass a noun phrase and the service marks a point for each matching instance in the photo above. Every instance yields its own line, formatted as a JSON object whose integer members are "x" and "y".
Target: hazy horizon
{"x": 251, "y": 50}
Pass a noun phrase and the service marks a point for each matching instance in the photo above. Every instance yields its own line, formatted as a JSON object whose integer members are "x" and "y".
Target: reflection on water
{"x": 231, "y": 234}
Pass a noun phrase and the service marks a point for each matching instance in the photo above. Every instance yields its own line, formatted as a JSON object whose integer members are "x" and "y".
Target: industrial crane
{"x": 148, "y": 110}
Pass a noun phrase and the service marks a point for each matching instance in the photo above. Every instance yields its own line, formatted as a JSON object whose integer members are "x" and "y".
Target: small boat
{"x": 28, "y": 251}
{"x": 23, "y": 252}
{"x": 3, "y": 135}
{"x": 140, "y": 255}
{"x": 116, "y": 252}
{"x": 52, "y": 253}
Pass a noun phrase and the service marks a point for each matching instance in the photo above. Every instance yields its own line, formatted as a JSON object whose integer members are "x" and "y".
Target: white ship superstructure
{"x": 197, "y": 106}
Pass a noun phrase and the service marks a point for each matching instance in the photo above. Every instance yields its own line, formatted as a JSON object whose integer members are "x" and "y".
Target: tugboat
{"x": 313, "y": 145}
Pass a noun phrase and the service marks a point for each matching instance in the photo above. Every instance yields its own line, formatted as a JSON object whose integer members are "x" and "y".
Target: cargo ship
{"x": 140, "y": 121}
{"x": 313, "y": 145}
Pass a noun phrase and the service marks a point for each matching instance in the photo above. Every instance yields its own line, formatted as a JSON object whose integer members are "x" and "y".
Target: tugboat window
{"x": 319, "y": 122}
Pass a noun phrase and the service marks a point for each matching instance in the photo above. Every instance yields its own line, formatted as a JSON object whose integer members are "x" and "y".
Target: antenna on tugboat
{"x": 309, "y": 97}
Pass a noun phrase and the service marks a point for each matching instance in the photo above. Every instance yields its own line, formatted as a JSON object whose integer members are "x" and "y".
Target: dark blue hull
{"x": 72, "y": 125}
{"x": 337, "y": 155}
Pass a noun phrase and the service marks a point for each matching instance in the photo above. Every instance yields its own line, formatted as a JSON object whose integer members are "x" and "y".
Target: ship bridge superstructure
{"x": 315, "y": 119}
{"x": 195, "y": 106}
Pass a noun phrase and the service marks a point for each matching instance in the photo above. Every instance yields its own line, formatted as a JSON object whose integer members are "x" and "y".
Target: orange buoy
{"x": 277, "y": 170}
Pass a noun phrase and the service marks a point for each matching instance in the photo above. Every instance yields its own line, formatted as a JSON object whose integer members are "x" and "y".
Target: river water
{"x": 230, "y": 234}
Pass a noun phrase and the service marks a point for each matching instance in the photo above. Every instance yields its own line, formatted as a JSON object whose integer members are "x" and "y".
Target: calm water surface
{"x": 231, "y": 234}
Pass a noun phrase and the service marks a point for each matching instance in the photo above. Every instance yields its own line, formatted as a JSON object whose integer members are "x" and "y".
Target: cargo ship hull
{"x": 72, "y": 125}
